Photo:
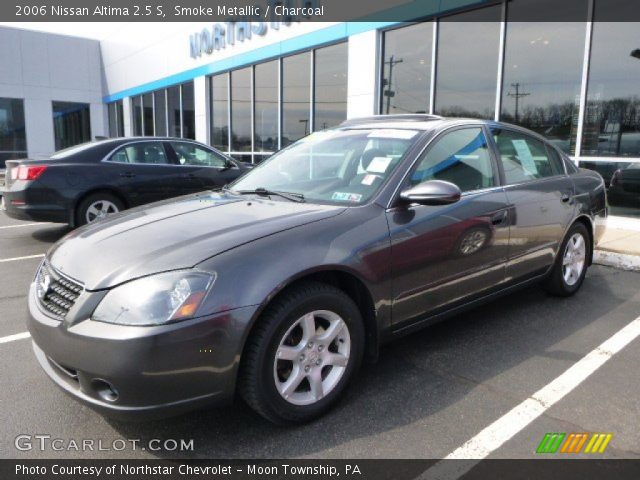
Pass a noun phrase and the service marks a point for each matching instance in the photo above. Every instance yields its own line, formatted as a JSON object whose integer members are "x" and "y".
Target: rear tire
{"x": 303, "y": 353}
{"x": 97, "y": 206}
{"x": 571, "y": 264}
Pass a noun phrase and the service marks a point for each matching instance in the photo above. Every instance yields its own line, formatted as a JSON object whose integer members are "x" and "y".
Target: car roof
{"x": 417, "y": 121}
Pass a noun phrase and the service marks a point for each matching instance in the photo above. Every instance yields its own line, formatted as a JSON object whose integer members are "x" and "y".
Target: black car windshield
{"x": 334, "y": 166}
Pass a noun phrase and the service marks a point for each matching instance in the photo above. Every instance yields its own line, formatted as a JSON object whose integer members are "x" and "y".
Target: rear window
{"x": 67, "y": 152}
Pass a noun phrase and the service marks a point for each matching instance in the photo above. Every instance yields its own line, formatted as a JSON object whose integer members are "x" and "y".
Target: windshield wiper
{"x": 294, "y": 197}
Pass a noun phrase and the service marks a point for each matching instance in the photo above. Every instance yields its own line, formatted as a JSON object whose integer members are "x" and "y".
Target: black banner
{"x": 534, "y": 469}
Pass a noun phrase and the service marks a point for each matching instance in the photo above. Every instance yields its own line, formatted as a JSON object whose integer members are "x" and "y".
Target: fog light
{"x": 104, "y": 389}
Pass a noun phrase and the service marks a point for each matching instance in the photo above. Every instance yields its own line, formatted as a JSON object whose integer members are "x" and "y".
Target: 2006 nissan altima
{"x": 277, "y": 287}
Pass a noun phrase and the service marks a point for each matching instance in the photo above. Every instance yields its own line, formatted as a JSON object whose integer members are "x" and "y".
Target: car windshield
{"x": 335, "y": 166}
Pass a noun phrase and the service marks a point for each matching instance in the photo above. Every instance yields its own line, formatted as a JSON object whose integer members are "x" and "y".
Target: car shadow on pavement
{"x": 51, "y": 233}
{"x": 419, "y": 376}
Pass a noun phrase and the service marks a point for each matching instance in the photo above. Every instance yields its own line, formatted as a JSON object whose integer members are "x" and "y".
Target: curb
{"x": 617, "y": 260}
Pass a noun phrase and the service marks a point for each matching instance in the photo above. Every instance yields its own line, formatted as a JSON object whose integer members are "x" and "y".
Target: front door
{"x": 444, "y": 254}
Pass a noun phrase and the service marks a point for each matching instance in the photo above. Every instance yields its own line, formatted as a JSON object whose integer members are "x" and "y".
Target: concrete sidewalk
{"x": 620, "y": 245}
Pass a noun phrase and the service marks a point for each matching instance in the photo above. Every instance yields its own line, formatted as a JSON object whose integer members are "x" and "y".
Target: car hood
{"x": 174, "y": 234}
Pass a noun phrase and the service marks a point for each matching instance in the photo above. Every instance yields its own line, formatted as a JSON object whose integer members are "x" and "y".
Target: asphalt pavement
{"x": 428, "y": 394}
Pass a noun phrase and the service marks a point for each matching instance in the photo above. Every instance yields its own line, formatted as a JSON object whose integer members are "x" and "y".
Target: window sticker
{"x": 379, "y": 165}
{"x": 369, "y": 179}
{"x": 397, "y": 134}
{"x": 525, "y": 157}
{"x": 346, "y": 197}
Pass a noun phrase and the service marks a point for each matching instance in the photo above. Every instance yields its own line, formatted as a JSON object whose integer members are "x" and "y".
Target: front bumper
{"x": 151, "y": 371}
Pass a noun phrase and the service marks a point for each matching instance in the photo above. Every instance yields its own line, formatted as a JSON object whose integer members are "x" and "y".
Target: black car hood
{"x": 174, "y": 234}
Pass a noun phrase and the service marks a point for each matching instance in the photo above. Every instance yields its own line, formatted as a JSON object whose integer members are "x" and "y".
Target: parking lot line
{"x": 22, "y": 225}
{"x": 13, "y": 338}
{"x": 503, "y": 429}
{"x": 15, "y": 259}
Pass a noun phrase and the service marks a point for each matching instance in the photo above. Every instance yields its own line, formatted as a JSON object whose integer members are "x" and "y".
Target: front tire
{"x": 302, "y": 355}
{"x": 571, "y": 263}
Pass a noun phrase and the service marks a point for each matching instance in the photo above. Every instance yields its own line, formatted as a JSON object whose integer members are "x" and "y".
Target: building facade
{"x": 250, "y": 89}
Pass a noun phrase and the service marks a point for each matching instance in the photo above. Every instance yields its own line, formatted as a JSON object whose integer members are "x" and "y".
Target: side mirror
{"x": 433, "y": 192}
{"x": 228, "y": 165}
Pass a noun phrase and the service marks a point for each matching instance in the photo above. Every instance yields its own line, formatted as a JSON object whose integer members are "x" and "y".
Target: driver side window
{"x": 461, "y": 157}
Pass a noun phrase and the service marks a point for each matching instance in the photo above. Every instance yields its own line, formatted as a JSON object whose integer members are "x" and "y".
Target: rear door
{"x": 201, "y": 168}
{"x": 144, "y": 172}
{"x": 541, "y": 196}
{"x": 446, "y": 254}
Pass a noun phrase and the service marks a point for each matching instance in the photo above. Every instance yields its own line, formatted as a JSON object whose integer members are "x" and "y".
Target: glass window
{"x": 188, "y": 111}
{"x": 71, "y": 124}
{"x": 116, "y": 119}
{"x": 524, "y": 158}
{"x": 460, "y": 157}
{"x": 160, "y": 107}
{"x": 406, "y": 72}
{"x": 296, "y": 93}
{"x": 173, "y": 111}
{"x": 266, "y": 107}
{"x": 335, "y": 166}
{"x": 543, "y": 73}
{"x": 220, "y": 112}
{"x": 330, "y": 95}
{"x": 467, "y": 66}
{"x": 241, "y": 110}
{"x": 194, "y": 155}
{"x": 612, "y": 118}
{"x": 136, "y": 113}
{"x": 148, "y": 153}
{"x": 13, "y": 139}
{"x": 147, "y": 112}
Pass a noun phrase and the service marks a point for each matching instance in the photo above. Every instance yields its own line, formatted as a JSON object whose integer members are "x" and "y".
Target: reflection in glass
{"x": 219, "y": 112}
{"x": 136, "y": 112}
{"x": 612, "y": 118}
{"x": 407, "y": 69}
{"x": 116, "y": 119}
{"x": 188, "y": 111}
{"x": 13, "y": 139}
{"x": 241, "y": 110}
{"x": 296, "y": 87}
{"x": 71, "y": 124}
{"x": 147, "y": 110}
{"x": 542, "y": 78}
{"x": 173, "y": 110}
{"x": 160, "y": 103}
{"x": 330, "y": 95}
{"x": 266, "y": 107}
{"x": 467, "y": 63}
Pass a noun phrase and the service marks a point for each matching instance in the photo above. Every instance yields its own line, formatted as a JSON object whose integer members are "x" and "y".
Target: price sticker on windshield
{"x": 391, "y": 133}
{"x": 379, "y": 165}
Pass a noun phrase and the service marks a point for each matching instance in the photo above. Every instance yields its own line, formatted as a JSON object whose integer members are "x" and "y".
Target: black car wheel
{"x": 97, "y": 206}
{"x": 571, "y": 263}
{"x": 303, "y": 353}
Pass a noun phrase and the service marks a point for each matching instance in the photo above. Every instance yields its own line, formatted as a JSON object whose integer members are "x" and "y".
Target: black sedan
{"x": 277, "y": 287}
{"x": 90, "y": 181}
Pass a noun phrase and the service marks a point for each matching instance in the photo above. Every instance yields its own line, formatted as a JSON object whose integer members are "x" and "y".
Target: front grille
{"x": 56, "y": 293}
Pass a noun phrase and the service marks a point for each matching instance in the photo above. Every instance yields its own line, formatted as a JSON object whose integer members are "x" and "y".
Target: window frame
{"x": 548, "y": 148}
{"x": 109, "y": 156}
{"x": 404, "y": 183}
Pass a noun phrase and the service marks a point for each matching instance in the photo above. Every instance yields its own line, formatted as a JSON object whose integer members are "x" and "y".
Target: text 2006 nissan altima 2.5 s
{"x": 279, "y": 286}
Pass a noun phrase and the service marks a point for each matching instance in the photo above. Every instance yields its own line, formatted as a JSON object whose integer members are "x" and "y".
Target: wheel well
{"x": 589, "y": 226}
{"x": 357, "y": 291}
{"x": 110, "y": 191}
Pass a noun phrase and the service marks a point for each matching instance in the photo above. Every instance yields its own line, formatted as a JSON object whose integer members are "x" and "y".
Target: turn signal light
{"x": 30, "y": 172}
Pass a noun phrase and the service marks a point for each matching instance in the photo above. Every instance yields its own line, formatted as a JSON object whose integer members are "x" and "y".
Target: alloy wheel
{"x": 100, "y": 209}
{"x": 573, "y": 260}
{"x": 312, "y": 357}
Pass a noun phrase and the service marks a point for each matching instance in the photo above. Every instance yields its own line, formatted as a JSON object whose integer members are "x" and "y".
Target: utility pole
{"x": 517, "y": 95}
{"x": 388, "y": 92}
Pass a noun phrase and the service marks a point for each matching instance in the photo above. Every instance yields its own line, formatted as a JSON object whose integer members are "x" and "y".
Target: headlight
{"x": 155, "y": 300}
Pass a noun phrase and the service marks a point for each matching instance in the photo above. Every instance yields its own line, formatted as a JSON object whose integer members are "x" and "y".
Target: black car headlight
{"x": 155, "y": 300}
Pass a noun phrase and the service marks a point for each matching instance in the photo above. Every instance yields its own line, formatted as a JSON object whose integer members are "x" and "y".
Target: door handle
{"x": 499, "y": 218}
{"x": 565, "y": 197}
{"x": 127, "y": 174}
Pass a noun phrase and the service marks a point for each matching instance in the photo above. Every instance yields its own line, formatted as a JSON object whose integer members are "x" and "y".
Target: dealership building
{"x": 251, "y": 88}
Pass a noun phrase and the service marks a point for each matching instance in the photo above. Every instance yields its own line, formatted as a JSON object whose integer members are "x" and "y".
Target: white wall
{"x": 41, "y": 68}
